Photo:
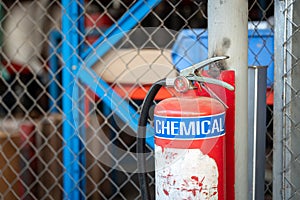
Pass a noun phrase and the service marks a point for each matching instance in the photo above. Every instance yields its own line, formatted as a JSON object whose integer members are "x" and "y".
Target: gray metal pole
{"x": 294, "y": 110}
{"x": 257, "y": 129}
{"x": 228, "y": 35}
{"x": 287, "y": 131}
{"x": 279, "y": 33}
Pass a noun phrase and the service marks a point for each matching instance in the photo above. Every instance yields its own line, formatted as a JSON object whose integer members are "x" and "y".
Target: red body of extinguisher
{"x": 190, "y": 148}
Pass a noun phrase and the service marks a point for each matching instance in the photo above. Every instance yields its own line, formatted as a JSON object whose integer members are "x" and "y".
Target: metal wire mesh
{"x": 72, "y": 84}
{"x": 286, "y": 127}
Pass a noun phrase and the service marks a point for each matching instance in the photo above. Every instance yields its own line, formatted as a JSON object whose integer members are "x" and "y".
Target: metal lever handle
{"x": 191, "y": 70}
{"x": 203, "y": 79}
{"x": 182, "y": 82}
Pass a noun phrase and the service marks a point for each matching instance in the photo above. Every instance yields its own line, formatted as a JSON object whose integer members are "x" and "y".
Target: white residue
{"x": 185, "y": 174}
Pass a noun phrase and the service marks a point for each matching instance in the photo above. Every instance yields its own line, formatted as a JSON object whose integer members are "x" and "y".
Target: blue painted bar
{"x": 140, "y": 9}
{"x": 117, "y": 31}
{"x": 73, "y": 174}
{"x": 116, "y": 103}
{"x": 81, "y": 102}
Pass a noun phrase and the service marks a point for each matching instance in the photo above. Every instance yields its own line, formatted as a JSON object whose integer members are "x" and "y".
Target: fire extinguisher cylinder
{"x": 189, "y": 139}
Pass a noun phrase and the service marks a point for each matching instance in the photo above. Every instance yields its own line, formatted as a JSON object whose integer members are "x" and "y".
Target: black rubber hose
{"x": 141, "y": 140}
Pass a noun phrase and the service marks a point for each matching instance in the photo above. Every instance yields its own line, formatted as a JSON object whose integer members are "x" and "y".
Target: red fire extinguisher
{"x": 189, "y": 139}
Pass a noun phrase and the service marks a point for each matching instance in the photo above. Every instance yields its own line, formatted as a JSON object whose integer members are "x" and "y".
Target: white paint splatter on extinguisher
{"x": 185, "y": 174}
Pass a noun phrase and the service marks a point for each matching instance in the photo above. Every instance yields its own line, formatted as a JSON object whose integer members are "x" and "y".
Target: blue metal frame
{"x": 73, "y": 156}
{"x": 117, "y": 31}
{"x": 111, "y": 99}
{"x": 97, "y": 85}
{"x": 75, "y": 70}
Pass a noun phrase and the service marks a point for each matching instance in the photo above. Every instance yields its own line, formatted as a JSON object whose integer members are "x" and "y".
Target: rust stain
{"x": 166, "y": 192}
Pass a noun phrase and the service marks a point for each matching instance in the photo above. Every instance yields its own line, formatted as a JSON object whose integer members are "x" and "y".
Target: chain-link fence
{"x": 286, "y": 134}
{"x": 73, "y": 77}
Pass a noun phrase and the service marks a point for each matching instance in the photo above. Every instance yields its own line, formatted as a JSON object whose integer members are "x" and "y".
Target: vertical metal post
{"x": 73, "y": 156}
{"x": 278, "y": 99}
{"x": 228, "y": 35}
{"x": 81, "y": 93}
{"x": 257, "y": 108}
{"x": 295, "y": 102}
{"x": 288, "y": 101}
